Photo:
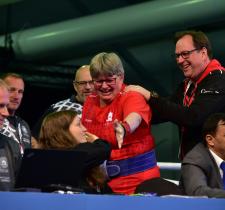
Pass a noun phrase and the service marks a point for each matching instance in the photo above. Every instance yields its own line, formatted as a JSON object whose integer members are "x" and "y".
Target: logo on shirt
{"x": 9, "y": 131}
{"x": 3, "y": 163}
{"x": 110, "y": 117}
{"x": 24, "y": 134}
{"x": 204, "y": 91}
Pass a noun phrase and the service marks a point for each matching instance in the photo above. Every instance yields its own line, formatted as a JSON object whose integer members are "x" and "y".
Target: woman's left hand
{"x": 90, "y": 137}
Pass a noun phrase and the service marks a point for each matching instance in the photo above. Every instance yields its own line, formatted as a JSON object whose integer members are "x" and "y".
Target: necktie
{"x": 222, "y": 166}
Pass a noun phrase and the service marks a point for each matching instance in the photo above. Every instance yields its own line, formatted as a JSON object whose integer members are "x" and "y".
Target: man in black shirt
{"x": 83, "y": 86}
{"x": 200, "y": 94}
{"x": 14, "y": 126}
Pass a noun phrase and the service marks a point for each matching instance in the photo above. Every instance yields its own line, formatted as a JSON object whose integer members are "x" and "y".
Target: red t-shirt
{"x": 99, "y": 120}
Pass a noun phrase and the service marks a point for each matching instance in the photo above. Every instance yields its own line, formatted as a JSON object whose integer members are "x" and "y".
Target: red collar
{"x": 212, "y": 66}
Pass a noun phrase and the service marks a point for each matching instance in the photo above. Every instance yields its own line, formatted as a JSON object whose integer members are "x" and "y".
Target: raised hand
{"x": 120, "y": 132}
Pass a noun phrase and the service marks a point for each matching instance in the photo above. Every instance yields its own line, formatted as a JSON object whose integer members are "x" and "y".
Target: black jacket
{"x": 7, "y": 165}
{"x": 209, "y": 98}
{"x": 98, "y": 152}
{"x": 19, "y": 136}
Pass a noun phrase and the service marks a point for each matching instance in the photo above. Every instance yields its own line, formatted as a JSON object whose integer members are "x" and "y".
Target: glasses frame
{"x": 83, "y": 83}
{"x": 185, "y": 54}
{"x": 109, "y": 82}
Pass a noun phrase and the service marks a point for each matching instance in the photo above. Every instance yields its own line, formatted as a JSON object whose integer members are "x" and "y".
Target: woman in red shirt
{"x": 123, "y": 118}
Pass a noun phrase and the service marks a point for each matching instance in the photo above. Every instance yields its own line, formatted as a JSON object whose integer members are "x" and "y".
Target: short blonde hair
{"x": 107, "y": 64}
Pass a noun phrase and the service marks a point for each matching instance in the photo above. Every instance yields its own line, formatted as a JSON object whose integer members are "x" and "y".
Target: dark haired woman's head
{"x": 61, "y": 130}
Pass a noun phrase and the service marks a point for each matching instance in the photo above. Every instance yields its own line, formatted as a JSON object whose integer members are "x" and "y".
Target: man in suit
{"x": 201, "y": 172}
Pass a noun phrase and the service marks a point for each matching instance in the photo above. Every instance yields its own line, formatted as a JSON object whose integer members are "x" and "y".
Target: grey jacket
{"x": 200, "y": 175}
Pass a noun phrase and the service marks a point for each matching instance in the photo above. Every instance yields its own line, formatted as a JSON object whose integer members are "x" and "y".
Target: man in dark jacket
{"x": 14, "y": 126}
{"x": 202, "y": 171}
{"x": 200, "y": 94}
{"x": 6, "y": 158}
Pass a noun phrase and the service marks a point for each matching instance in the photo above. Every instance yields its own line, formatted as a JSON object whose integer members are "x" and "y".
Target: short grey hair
{"x": 107, "y": 64}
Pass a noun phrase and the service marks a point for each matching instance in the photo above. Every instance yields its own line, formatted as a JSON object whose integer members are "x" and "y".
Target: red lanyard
{"x": 188, "y": 98}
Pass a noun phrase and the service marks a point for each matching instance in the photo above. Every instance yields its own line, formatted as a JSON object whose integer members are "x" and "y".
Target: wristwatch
{"x": 154, "y": 94}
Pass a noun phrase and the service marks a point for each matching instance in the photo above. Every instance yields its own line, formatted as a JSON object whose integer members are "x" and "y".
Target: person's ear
{"x": 204, "y": 52}
{"x": 210, "y": 140}
{"x": 74, "y": 86}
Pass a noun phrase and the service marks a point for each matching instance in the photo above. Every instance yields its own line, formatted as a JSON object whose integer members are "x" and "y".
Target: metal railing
{"x": 169, "y": 166}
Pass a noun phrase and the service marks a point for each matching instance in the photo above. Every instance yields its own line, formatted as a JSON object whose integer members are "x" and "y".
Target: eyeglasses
{"x": 83, "y": 83}
{"x": 185, "y": 54}
{"x": 110, "y": 82}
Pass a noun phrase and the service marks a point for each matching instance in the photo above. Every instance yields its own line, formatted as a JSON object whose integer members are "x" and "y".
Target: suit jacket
{"x": 200, "y": 174}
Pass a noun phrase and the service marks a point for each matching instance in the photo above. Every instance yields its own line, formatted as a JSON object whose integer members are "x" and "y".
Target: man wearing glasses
{"x": 83, "y": 86}
{"x": 200, "y": 94}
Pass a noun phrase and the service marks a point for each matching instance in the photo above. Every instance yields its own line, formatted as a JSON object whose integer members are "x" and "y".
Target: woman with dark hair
{"x": 63, "y": 130}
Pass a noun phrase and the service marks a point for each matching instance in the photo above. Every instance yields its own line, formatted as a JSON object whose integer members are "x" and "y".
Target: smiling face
{"x": 107, "y": 87}
{"x": 16, "y": 89}
{"x": 83, "y": 83}
{"x": 77, "y": 130}
{"x": 108, "y": 75}
{"x": 4, "y": 101}
{"x": 195, "y": 62}
{"x": 62, "y": 130}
